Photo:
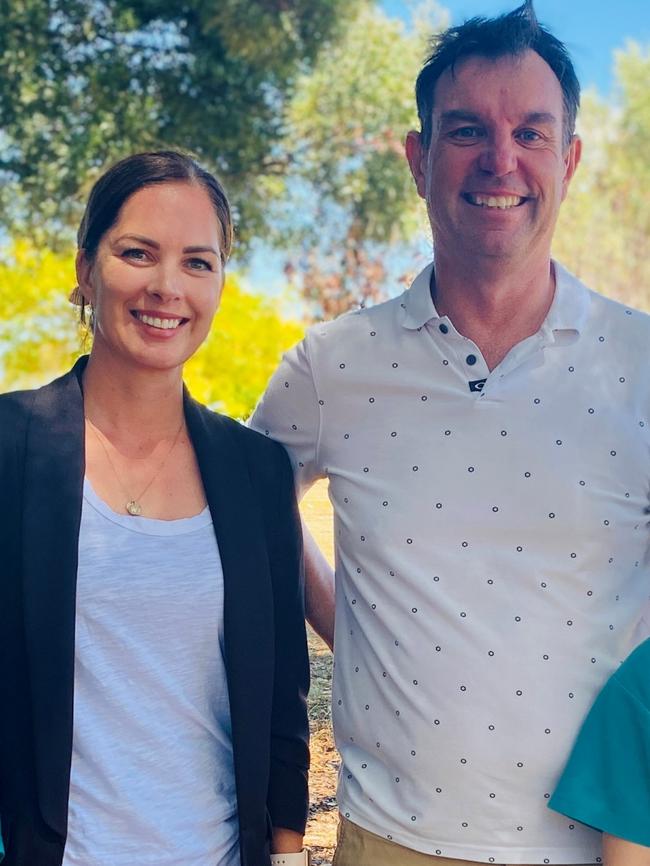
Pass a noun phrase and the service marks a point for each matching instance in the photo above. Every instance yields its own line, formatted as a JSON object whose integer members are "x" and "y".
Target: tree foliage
{"x": 302, "y": 107}
{"x": 604, "y": 228}
{"x": 82, "y": 83}
{"x": 39, "y": 335}
{"x": 346, "y": 127}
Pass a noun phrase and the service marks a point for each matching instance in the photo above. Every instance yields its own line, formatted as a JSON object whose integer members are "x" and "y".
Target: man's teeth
{"x": 155, "y": 322}
{"x": 500, "y": 201}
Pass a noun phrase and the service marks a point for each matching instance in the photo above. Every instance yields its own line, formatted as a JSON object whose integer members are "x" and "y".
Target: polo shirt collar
{"x": 568, "y": 312}
{"x": 417, "y": 304}
{"x": 571, "y": 302}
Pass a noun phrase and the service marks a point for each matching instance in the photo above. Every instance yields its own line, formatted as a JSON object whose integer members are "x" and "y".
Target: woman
{"x": 154, "y": 664}
{"x": 606, "y": 782}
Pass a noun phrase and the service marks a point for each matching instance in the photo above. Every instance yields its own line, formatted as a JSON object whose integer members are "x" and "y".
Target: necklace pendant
{"x": 134, "y": 508}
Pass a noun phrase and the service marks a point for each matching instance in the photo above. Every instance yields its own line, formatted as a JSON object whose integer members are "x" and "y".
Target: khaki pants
{"x": 358, "y": 847}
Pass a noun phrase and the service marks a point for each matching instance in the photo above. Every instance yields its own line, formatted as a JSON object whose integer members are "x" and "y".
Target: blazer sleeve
{"x": 287, "y": 799}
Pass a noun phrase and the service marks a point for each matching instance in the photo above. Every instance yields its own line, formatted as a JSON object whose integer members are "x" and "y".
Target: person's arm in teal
{"x": 606, "y": 782}
{"x": 620, "y": 852}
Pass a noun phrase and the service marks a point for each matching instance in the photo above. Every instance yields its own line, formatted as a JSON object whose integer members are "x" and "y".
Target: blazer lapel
{"x": 248, "y": 599}
{"x": 54, "y": 468}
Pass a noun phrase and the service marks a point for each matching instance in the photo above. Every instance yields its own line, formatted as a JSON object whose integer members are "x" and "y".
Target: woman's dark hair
{"x": 134, "y": 172}
{"x": 511, "y": 34}
{"x": 131, "y": 174}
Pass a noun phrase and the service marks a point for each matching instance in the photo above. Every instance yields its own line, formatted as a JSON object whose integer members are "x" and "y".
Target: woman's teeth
{"x": 156, "y": 322}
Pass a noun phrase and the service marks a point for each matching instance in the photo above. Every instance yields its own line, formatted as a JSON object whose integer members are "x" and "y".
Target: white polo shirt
{"x": 492, "y": 557}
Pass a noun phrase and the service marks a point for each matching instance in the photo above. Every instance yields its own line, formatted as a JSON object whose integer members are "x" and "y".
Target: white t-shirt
{"x": 152, "y": 779}
{"x": 492, "y": 558}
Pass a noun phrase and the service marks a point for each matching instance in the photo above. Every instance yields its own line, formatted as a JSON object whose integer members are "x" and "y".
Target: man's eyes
{"x": 466, "y": 133}
{"x": 529, "y": 136}
{"x": 474, "y": 133}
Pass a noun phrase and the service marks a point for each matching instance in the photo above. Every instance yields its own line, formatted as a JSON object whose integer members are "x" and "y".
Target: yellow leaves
{"x": 38, "y": 331}
{"x": 31, "y": 278}
{"x": 248, "y": 337}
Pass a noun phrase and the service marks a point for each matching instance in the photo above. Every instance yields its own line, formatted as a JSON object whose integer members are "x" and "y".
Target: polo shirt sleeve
{"x": 290, "y": 412}
{"x": 606, "y": 782}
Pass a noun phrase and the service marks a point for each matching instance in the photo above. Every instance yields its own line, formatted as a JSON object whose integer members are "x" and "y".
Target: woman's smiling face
{"x": 155, "y": 281}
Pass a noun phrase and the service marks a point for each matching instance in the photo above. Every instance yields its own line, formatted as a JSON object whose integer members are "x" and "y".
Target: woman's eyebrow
{"x": 140, "y": 239}
{"x": 201, "y": 249}
{"x": 198, "y": 248}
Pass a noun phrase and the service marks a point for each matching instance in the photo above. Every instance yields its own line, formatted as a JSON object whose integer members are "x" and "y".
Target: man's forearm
{"x": 618, "y": 852}
{"x": 319, "y": 589}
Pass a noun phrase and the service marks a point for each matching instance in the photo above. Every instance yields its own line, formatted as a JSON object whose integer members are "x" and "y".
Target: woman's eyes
{"x": 137, "y": 254}
{"x": 199, "y": 265}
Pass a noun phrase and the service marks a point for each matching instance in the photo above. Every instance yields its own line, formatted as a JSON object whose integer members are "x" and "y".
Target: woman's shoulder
{"x": 18, "y": 407}
{"x": 257, "y": 446}
{"x": 15, "y": 407}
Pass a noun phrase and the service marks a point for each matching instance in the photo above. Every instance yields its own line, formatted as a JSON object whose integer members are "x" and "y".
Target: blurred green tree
{"x": 345, "y": 131}
{"x": 82, "y": 83}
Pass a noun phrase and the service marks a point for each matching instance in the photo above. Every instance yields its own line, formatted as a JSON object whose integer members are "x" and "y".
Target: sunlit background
{"x": 301, "y": 108}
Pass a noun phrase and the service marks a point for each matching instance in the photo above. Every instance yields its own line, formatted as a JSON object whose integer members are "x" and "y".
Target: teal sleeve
{"x": 606, "y": 782}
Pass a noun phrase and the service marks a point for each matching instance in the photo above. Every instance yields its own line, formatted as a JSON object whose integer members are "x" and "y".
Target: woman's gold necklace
{"x": 132, "y": 505}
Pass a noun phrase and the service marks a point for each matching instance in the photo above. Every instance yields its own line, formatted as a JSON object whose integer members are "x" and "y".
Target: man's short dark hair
{"x": 511, "y": 34}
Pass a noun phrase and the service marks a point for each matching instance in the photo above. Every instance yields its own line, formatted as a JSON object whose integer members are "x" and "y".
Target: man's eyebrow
{"x": 461, "y": 115}
{"x": 543, "y": 117}
{"x": 455, "y": 115}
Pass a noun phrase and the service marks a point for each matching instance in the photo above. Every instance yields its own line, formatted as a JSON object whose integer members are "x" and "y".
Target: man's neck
{"x": 495, "y": 305}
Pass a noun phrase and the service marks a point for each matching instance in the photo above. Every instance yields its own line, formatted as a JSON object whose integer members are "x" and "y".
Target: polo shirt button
{"x": 471, "y": 360}
{"x": 444, "y": 328}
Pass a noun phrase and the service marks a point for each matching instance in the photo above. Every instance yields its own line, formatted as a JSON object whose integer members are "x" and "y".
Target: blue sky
{"x": 591, "y": 29}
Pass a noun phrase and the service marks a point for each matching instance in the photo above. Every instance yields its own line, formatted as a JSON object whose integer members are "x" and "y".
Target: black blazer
{"x": 249, "y": 487}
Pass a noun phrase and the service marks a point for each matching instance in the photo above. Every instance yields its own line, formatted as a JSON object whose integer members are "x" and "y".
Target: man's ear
{"x": 83, "y": 267}
{"x": 416, "y": 156}
{"x": 571, "y": 162}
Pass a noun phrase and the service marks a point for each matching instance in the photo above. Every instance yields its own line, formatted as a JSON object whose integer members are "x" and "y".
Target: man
{"x": 485, "y": 437}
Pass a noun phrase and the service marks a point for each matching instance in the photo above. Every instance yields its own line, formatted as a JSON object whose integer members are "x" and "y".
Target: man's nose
{"x": 499, "y": 155}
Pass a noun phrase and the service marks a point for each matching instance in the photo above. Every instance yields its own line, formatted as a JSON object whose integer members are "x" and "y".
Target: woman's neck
{"x": 126, "y": 400}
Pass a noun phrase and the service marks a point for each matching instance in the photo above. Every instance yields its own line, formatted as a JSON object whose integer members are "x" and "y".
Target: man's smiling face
{"x": 496, "y": 170}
